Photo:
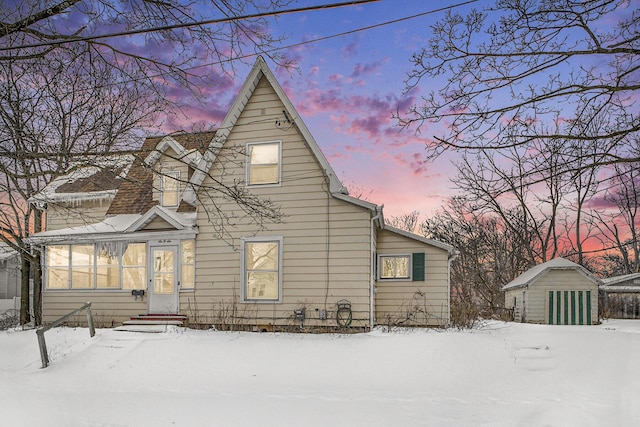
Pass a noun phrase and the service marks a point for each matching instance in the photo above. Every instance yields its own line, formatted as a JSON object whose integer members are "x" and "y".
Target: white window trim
{"x": 182, "y": 264}
{"x": 248, "y": 165}
{"x": 176, "y": 176}
{"x": 94, "y": 288}
{"x": 243, "y": 270}
{"x": 395, "y": 279}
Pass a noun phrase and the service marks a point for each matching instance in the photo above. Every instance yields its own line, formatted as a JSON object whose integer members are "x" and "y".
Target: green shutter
{"x": 588, "y": 307}
{"x": 551, "y": 307}
{"x": 418, "y": 267}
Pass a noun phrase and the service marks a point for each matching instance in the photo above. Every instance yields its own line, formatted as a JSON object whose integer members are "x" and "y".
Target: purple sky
{"x": 346, "y": 90}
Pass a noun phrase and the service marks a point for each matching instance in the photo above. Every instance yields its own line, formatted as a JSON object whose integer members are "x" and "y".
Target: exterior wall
{"x": 326, "y": 242}
{"x": 10, "y": 277}
{"x": 75, "y": 215}
{"x": 514, "y": 299}
{"x": 109, "y": 308}
{"x": 537, "y": 294}
{"x": 413, "y": 302}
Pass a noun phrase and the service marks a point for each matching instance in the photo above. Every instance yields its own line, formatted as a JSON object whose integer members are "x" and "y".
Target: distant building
{"x": 621, "y": 296}
{"x": 9, "y": 272}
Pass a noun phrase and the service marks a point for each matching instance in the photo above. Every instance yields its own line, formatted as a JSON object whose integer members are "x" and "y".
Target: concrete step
{"x": 176, "y": 322}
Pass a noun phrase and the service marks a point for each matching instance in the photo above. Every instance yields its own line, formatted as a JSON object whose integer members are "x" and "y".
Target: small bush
{"x": 9, "y": 319}
{"x": 464, "y": 314}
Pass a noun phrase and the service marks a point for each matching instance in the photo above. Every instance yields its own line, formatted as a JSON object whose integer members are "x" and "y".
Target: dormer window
{"x": 169, "y": 188}
{"x": 263, "y": 166}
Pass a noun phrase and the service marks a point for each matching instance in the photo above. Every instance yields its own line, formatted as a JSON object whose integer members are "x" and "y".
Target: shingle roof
{"x": 135, "y": 195}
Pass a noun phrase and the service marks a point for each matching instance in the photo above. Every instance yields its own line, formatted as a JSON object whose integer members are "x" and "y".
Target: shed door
{"x": 569, "y": 307}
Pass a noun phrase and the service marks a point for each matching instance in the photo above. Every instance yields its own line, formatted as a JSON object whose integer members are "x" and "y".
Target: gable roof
{"x": 260, "y": 69}
{"x": 135, "y": 194}
{"x": 534, "y": 273}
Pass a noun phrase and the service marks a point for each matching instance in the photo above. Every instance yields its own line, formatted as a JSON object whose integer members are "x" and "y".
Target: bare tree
{"x": 519, "y": 73}
{"x": 490, "y": 253}
{"x": 619, "y": 222}
{"x": 407, "y": 222}
{"x": 69, "y": 95}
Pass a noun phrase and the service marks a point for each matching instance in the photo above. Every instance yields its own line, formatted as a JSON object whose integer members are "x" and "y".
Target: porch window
{"x": 263, "y": 166}
{"x": 262, "y": 269}
{"x": 82, "y": 257}
{"x": 170, "y": 186}
{"x": 395, "y": 267}
{"x": 107, "y": 270}
{"x": 188, "y": 270}
{"x": 134, "y": 266}
{"x": 58, "y": 267}
{"x": 83, "y": 266}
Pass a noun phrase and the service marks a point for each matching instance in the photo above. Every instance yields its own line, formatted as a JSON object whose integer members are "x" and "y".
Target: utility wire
{"x": 71, "y": 39}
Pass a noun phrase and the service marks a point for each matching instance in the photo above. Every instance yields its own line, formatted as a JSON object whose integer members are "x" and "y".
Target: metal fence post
{"x": 43, "y": 348}
{"x": 92, "y": 330}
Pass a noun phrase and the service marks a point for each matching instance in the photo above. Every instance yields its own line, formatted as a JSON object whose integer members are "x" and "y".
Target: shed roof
{"x": 619, "y": 283}
{"x": 532, "y": 274}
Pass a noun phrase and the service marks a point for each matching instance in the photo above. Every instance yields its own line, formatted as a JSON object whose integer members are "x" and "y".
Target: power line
{"x": 72, "y": 39}
{"x": 275, "y": 49}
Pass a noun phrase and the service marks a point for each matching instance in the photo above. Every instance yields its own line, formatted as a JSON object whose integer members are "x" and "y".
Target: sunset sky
{"x": 347, "y": 88}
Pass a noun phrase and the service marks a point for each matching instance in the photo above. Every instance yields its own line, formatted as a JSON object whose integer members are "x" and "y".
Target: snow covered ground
{"x": 501, "y": 374}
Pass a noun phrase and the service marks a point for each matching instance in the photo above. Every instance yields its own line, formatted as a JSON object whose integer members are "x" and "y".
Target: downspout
{"x": 372, "y": 276}
{"x": 452, "y": 255}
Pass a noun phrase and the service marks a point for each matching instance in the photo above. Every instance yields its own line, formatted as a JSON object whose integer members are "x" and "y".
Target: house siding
{"x": 76, "y": 214}
{"x": 109, "y": 308}
{"x": 413, "y": 302}
{"x": 326, "y": 247}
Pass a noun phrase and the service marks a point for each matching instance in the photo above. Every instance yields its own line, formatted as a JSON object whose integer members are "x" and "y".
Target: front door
{"x": 163, "y": 282}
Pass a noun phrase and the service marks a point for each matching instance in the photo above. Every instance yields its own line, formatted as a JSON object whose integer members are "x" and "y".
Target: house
{"x": 557, "y": 292}
{"x": 10, "y": 264}
{"x": 621, "y": 296}
{"x": 245, "y": 226}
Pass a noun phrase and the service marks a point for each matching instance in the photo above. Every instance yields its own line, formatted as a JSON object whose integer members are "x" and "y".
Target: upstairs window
{"x": 169, "y": 188}
{"x": 263, "y": 166}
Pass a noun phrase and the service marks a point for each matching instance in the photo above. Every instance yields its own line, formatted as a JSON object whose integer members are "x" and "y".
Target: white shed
{"x": 557, "y": 292}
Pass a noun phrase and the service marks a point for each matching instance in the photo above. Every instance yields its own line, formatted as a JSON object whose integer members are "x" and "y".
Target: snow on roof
{"x": 62, "y": 189}
{"x": 117, "y": 225}
{"x": 609, "y": 281}
{"x": 533, "y": 273}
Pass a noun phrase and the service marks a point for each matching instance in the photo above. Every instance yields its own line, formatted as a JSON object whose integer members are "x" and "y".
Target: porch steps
{"x": 157, "y": 323}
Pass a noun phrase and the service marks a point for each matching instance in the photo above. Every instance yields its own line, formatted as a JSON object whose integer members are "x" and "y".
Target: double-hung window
{"x": 170, "y": 188}
{"x": 262, "y": 269}
{"x": 263, "y": 164}
{"x": 188, "y": 270}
